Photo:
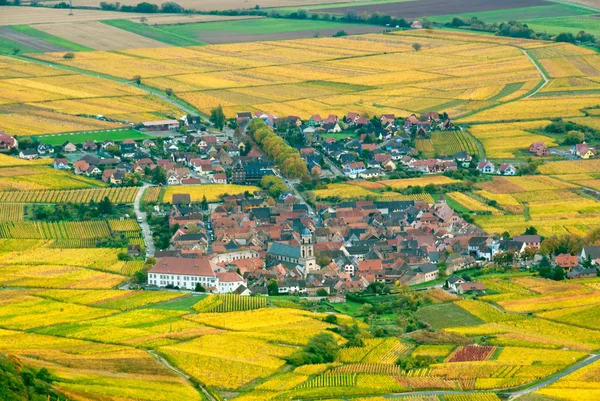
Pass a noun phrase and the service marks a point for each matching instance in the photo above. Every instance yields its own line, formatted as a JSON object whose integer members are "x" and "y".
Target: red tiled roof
{"x": 192, "y": 267}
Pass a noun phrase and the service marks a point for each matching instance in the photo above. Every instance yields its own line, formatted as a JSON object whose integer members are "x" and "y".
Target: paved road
{"x": 568, "y": 155}
{"x": 181, "y": 373}
{"x": 542, "y": 73}
{"x": 589, "y": 360}
{"x": 150, "y": 249}
{"x": 334, "y": 169}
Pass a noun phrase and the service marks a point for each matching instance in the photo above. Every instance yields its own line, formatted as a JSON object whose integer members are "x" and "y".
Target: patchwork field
{"x": 341, "y": 74}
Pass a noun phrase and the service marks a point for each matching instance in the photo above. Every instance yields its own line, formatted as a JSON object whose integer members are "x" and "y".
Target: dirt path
{"x": 29, "y": 41}
{"x": 181, "y": 373}
{"x": 542, "y": 73}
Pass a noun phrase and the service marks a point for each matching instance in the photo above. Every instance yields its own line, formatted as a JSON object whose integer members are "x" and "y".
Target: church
{"x": 303, "y": 255}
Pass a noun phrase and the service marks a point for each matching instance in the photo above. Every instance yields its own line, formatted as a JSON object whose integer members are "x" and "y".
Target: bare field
{"x": 171, "y": 19}
{"x": 422, "y": 8}
{"x": 41, "y": 15}
{"x": 595, "y": 4}
{"x": 207, "y": 5}
{"x": 99, "y": 36}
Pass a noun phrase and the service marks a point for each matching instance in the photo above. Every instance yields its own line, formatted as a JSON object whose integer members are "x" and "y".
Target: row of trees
{"x": 515, "y": 29}
{"x": 286, "y": 157}
{"x": 144, "y": 7}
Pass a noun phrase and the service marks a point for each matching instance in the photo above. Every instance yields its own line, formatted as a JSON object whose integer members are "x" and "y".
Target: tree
{"x": 323, "y": 293}
{"x": 105, "y": 206}
{"x": 199, "y": 288}
{"x": 143, "y": 20}
{"x": 321, "y": 348}
{"x": 567, "y": 37}
{"x": 531, "y": 230}
{"x": 171, "y": 7}
{"x": 331, "y": 319}
{"x": 159, "y": 175}
{"x": 217, "y": 117}
{"x": 417, "y": 46}
{"x": 15, "y": 51}
{"x": 340, "y": 34}
{"x": 574, "y": 137}
{"x": 323, "y": 261}
{"x": 69, "y": 56}
{"x": 204, "y": 203}
{"x": 137, "y": 79}
{"x": 169, "y": 91}
{"x": 146, "y": 7}
{"x": 273, "y": 287}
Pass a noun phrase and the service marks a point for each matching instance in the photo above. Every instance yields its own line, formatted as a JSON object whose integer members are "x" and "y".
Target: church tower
{"x": 307, "y": 252}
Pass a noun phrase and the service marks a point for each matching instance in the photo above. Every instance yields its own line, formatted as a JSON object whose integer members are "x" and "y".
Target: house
{"x": 387, "y": 119}
{"x": 7, "y": 142}
{"x": 583, "y": 151}
{"x": 90, "y": 145}
{"x": 220, "y": 178}
{"x": 162, "y": 125}
{"x": 539, "y": 149}
{"x": 486, "y": 167}
{"x": 186, "y": 273}
{"x": 566, "y": 261}
{"x": 463, "y": 159}
{"x": 61, "y": 164}
{"x": 68, "y": 147}
{"x": 353, "y": 169}
{"x": 45, "y": 148}
{"x": 315, "y": 120}
{"x": 470, "y": 287}
{"x": 581, "y": 272}
{"x": 591, "y": 253}
{"x": 454, "y": 282}
{"x": 531, "y": 241}
{"x": 351, "y": 118}
{"x": 28, "y": 154}
{"x": 370, "y": 173}
{"x": 507, "y": 169}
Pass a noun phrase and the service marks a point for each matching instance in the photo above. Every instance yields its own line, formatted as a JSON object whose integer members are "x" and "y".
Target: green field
{"x": 78, "y": 138}
{"x": 7, "y": 46}
{"x": 519, "y": 14}
{"x": 447, "y": 315}
{"x": 157, "y": 33}
{"x": 589, "y": 24}
{"x": 34, "y": 33}
{"x": 182, "y": 304}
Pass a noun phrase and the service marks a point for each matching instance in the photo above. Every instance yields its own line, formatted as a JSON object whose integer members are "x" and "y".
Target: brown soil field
{"x": 207, "y": 5}
{"x": 426, "y": 8}
{"x": 29, "y": 41}
{"x": 41, "y": 15}
{"x": 99, "y": 36}
{"x": 232, "y": 37}
{"x": 588, "y": 3}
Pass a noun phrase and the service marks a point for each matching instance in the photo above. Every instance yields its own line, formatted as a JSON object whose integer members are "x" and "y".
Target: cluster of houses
{"x": 487, "y": 167}
{"x": 355, "y": 244}
{"x": 580, "y": 150}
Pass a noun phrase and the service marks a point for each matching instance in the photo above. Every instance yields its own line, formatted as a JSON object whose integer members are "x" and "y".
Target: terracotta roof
{"x": 192, "y": 267}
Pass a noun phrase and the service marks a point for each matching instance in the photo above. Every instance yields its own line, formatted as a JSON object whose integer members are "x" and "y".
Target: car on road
{"x": 139, "y": 219}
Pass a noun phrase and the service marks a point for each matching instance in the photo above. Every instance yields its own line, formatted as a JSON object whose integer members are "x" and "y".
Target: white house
{"x": 353, "y": 169}
{"x": 486, "y": 167}
{"x": 507, "y": 169}
{"x": 185, "y": 273}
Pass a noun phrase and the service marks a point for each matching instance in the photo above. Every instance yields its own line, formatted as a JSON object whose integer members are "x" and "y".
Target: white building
{"x": 186, "y": 273}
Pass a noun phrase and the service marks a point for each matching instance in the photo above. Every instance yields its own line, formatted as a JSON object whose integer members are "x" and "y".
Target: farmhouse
{"x": 486, "y": 167}
{"x": 162, "y": 125}
{"x": 185, "y": 273}
{"x": 7, "y": 142}
{"x": 61, "y": 164}
{"x": 539, "y": 149}
{"x": 583, "y": 151}
{"x": 507, "y": 169}
{"x": 68, "y": 147}
{"x": 566, "y": 261}
{"x": 28, "y": 154}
